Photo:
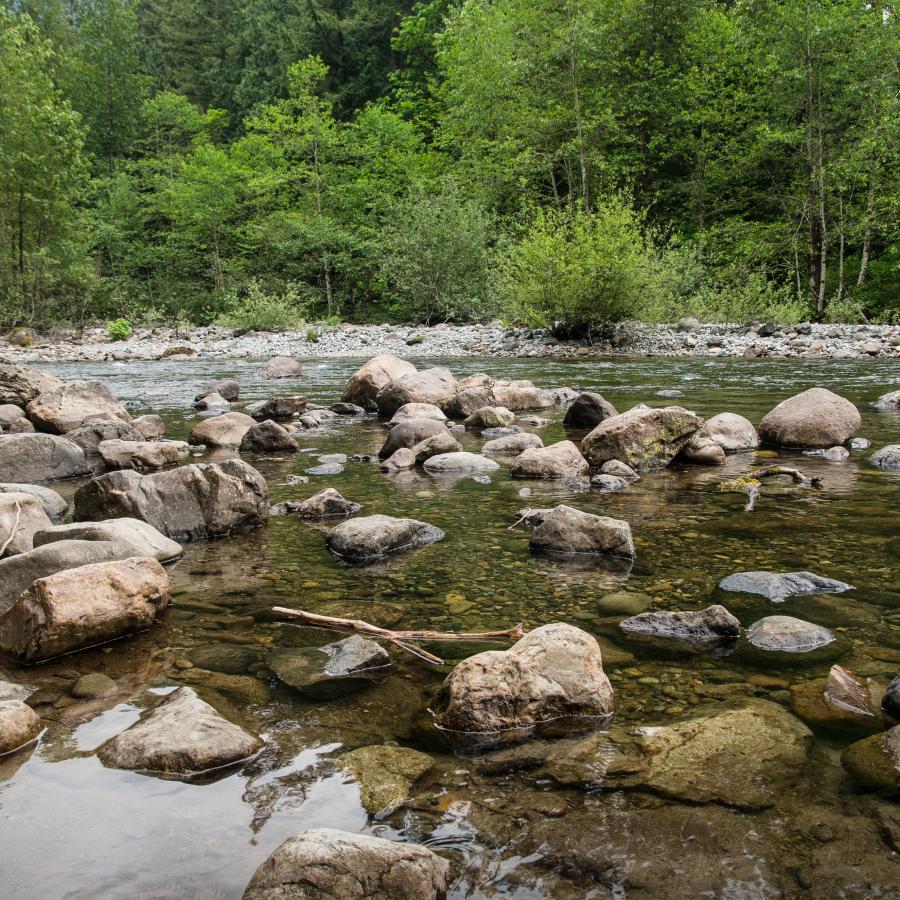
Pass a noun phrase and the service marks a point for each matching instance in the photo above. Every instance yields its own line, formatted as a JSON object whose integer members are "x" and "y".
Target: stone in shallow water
{"x": 182, "y": 737}
{"x": 385, "y": 773}
{"x": 603, "y": 482}
{"x": 460, "y": 461}
{"x": 93, "y": 686}
{"x": 227, "y": 658}
{"x": 703, "y": 628}
{"x": 327, "y": 503}
{"x": 887, "y": 458}
{"x": 325, "y": 469}
{"x": 322, "y": 673}
{"x": 778, "y": 586}
{"x": 623, "y": 603}
{"x": 787, "y": 634}
{"x": 566, "y": 530}
{"x": 19, "y": 725}
{"x": 875, "y": 762}
{"x": 370, "y": 538}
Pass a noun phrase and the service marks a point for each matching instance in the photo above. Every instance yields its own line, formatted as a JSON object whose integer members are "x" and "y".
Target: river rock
{"x": 778, "y": 586}
{"x": 702, "y": 451}
{"x": 19, "y": 725}
{"x": 327, "y": 503}
{"x": 84, "y": 606}
{"x": 135, "y": 537}
{"x": 17, "y": 426}
{"x": 370, "y": 378}
{"x": 90, "y": 435}
{"x": 436, "y": 386}
{"x": 468, "y": 400}
{"x": 875, "y": 762}
{"x": 227, "y": 388}
{"x": 72, "y": 404}
{"x": 213, "y": 403}
{"x": 40, "y": 457}
{"x": 787, "y": 634}
{"x": 282, "y": 367}
{"x": 346, "y": 409}
{"x": 489, "y": 417}
{"x": 434, "y": 446}
{"x": 141, "y": 455}
{"x": 891, "y": 400}
{"x": 702, "y": 628}
{"x": 409, "y": 433}
{"x": 815, "y": 419}
{"x": 522, "y": 395}
{"x": 10, "y": 414}
{"x": 151, "y": 427}
{"x": 589, "y": 410}
{"x": 568, "y": 530}
{"x": 609, "y": 482}
{"x": 182, "y": 737}
{"x": 459, "y": 461}
{"x": 322, "y": 673}
{"x": 188, "y": 503}
{"x": 890, "y": 703}
{"x": 417, "y": 411}
{"x": 384, "y": 773}
{"x": 21, "y": 384}
{"x": 641, "y": 438}
{"x": 327, "y": 864}
{"x": 399, "y": 460}
{"x": 549, "y": 683}
{"x": 619, "y": 470}
{"x": 279, "y": 408}
{"x": 733, "y": 433}
{"x": 623, "y": 603}
{"x": 221, "y": 431}
{"x": 743, "y": 757}
{"x": 53, "y": 504}
{"x": 370, "y": 538}
{"x": 21, "y": 515}
{"x": 94, "y": 686}
{"x": 887, "y": 458}
{"x": 268, "y": 436}
{"x": 560, "y": 460}
{"x": 513, "y": 444}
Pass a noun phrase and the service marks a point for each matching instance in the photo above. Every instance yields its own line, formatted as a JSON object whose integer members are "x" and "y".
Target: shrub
{"x": 255, "y": 310}
{"x": 312, "y": 336}
{"x": 119, "y": 330}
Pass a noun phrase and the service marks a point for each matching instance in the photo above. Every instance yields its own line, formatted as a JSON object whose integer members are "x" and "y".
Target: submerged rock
{"x": 549, "y": 683}
{"x": 385, "y": 773}
{"x": 887, "y": 458}
{"x": 875, "y": 762}
{"x": 459, "y": 461}
{"x": 370, "y": 538}
{"x": 891, "y": 400}
{"x": 816, "y": 418}
{"x": 19, "y": 725}
{"x": 40, "y": 457}
{"x": 701, "y": 628}
{"x": 327, "y": 864}
{"x": 370, "y": 378}
{"x": 94, "y": 686}
{"x": 733, "y": 433}
{"x": 322, "y": 673}
{"x": 787, "y": 634}
{"x": 778, "y": 586}
{"x": 565, "y": 530}
{"x": 588, "y": 410}
{"x": 69, "y": 406}
{"x": 182, "y": 737}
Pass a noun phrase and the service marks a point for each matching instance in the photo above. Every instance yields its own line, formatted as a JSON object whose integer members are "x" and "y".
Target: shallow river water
{"x": 70, "y": 828}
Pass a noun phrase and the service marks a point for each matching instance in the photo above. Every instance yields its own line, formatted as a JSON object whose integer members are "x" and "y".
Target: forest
{"x": 562, "y": 163}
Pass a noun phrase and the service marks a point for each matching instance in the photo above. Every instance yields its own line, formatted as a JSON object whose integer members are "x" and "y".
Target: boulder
{"x": 73, "y": 404}
{"x": 559, "y": 460}
{"x": 21, "y": 515}
{"x": 19, "y": 725}
{"x": 90, "y": 435}
{"x": 182, "y": 737}
{"x": 346, "y": 409}
{"x": 733, "y": 433}
{"x": 436, "y": 386}
{"x": 489, "y": 417}
{"x": 227, "y": 388}
{"x": 875, "y": 762}
{"x": 40, "y": 457}
{"x": 279, "y": 408}
{"x": 417, "y": 411}
{"x": 778, "y": 586}
{"x": 399, "y": 460}
{"x": 10, "y": 413}
{"x": 221, "y": 431}
{"x": 384, "y": 773}
{"x": 281, "y": 367}
{"x": 890, "y": 400}
{"x": 513, "y": 444}
{"x": 134, "y": 537}
{"x": 887, "y": 458}
{"x": 702, "y": 628}
{"x": 370, "y": 538}
{"x": 141, "y": 455}
{"x": 641, "y": 438}
{"x": 327, "y": 503}
{"x": 589, "y": 410}
{"x": 460, "y": 461}
{"x": 370, "y": 378}
{"x": 702, "y": 451}
{"x": 479, "y": 379}
{"x": 53, "y": 504}
{"x": 323, "y": 673}
{"x": 410, "y": 433}
{"x": 890, "y": 703}
{"x": 744, "y": 757}
{"x": 268, "y": 436}
{"x": 94, "y": 686}
{"x": 567, "y": 530}
{"x": 17, "y": 426}
{"x": 21, "y": 384}
{"x": 83, "y": 607}
{"x": 213, "y": 403}
{"x": 549, "y": 683}
{"x": 327, "y": 864}
{"x": 468, "y": 400}
{"x": 619, "y": 470}
{"x": 815, "y": 419}
{"x": 522, "y": 395}
{"x": 151, "y": 427}
{"x": 788, "y": 635}
{"x": 433, "y": 446}
{"x": 188, "y": 503}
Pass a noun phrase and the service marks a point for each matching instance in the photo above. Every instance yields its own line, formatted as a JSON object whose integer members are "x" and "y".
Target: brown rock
{"x": 221, "y": 431}
{"x": 815, "y": 419}
{"x": 369, "y": 379}
{"x": 71, "y": 405}
{"x": 282, "y": 367}
{"x": 559, "y": 460}
{"x": 19, "y": 725}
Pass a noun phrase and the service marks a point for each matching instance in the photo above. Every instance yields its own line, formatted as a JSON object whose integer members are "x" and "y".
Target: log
{"x": 400, "y": 639}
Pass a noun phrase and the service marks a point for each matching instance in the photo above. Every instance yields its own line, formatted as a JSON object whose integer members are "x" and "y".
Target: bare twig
{"x": 13, "y": 530}
{"x": 794, "y": 474}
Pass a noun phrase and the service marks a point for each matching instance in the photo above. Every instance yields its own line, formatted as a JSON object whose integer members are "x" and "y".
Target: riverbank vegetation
{"x": 547, "y": 162}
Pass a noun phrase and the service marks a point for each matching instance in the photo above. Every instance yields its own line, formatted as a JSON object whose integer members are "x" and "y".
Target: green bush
{"x": 119, "y": 330}
{"x": 312, "y": 336}
{"x": 256, "y": 310}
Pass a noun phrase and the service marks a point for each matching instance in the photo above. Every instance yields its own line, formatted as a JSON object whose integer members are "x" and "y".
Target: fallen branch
{"x": 13, "y": 530}
{"x": 750, "y": 483}
{"x": 400, "y": 638}
{"x": 795, "y": 474}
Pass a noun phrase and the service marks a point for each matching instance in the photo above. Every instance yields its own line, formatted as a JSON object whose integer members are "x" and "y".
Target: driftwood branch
{"x": 400, "y": 639}
{"x": 794, "y": 474}
{"x": 751, "y": 482}
{"x": 13, "y": 530}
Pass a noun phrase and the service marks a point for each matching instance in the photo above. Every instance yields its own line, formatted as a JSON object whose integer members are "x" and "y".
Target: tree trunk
{"x": 867, "y": 232}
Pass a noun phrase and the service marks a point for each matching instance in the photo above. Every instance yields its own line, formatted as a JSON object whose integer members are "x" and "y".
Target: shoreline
{"x": 686, "y": 339}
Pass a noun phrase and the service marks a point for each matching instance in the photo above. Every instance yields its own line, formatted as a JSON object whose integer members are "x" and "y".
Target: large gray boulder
{"x": 370, "y": 538}
{"x": 549, "y": 683}
{"x": 90, "y": 435}
{"x": 778, "y": 586}
{"x": 268, "y": 436}
{"x": 280, "y": 408}
{"x": 182, "y": 737}
{"x": 40, "y": 457}
{"x": 21, "y": 384}
{"x": 815, "y": 419}
{"x": 457, "y": 462}
{"x": 588, "y": 410}
{"x": 82, "y": 607}
{"x": 281, "y": 367}
{"x": 141, "y": 455}
{"x": 409, "y": 433}
{"x": 19, "y": 725}
{"x": 469, "y": 399}
{"x": 436, "y": 386}
{"x": 703, "y": 628}
{"x": 513, "y": 444}
{"x": 560, "y": 460}
{"x": 327, "y": 864}
{"x": 53, "y": 503}
{"x": 73, "y": 404}
{"x": 221, "y": 431}
{"x": 371, "y": 377}
{"x": 188, "y": 503}
{"x": 887, "y": 458}
{"x": 523, "y": 395}
{"x": 733, "y": 433}
{"x": 567, "y": 530}
{"x": 642, "y": 438}
{"x": 21, "y": 515}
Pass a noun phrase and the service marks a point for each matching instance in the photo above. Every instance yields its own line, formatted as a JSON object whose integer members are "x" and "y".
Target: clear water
{"x": 71, "y": 828}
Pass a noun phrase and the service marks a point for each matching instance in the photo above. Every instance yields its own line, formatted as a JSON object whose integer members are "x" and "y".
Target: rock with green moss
{"x": 385, "y": 773}
{"x": 875, "y": 762}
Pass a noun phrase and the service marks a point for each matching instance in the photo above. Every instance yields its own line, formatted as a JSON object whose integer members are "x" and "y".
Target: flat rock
{"x": 19, "y": 725}
{"x": 560, "y": 460}
{"x": 40, "y": 457}
{"x": 787, "y": 634}
{"x": 141, "y": 455}
{"x": 53, "y": 504}
{"x": 816, "y": 418}
{"x": 460, "y": 461}
{"x": 778, "y": 586}
{"x": 385, "y": 773}
{"x": 370, "y": 538}
{"x": 134, "y": 536}
{"x": 702, "y": 628}
{"x": 221, "y": 431}
{"x": 513, "y": 444}
{"x": 278, "y": 408}
{"x": 90, "y": 435}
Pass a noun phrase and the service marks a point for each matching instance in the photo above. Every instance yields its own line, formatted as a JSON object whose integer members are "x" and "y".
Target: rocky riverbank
{"x": 686, "y": 338}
